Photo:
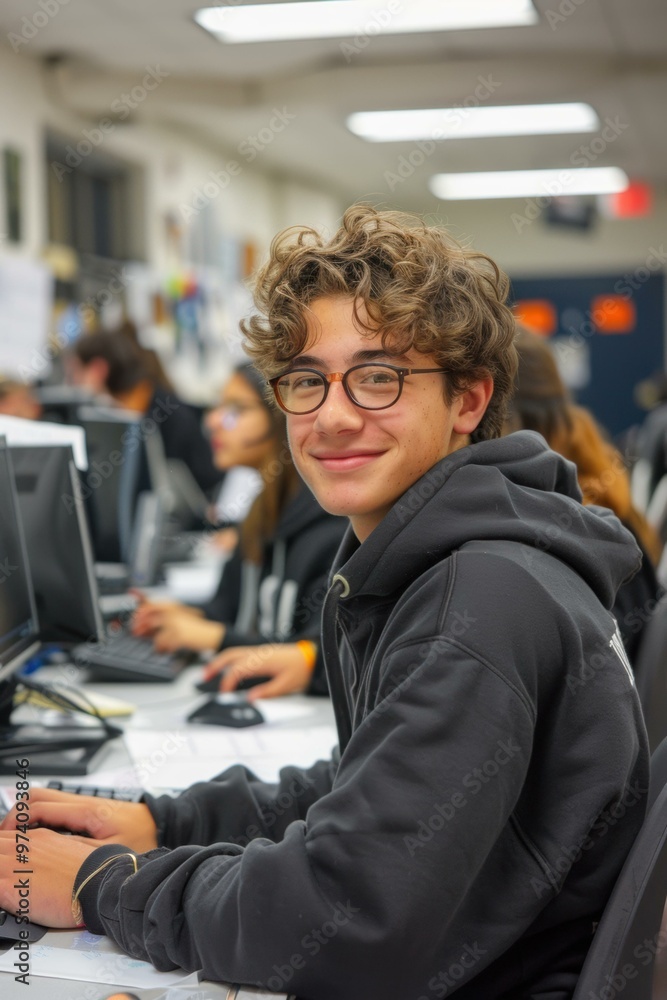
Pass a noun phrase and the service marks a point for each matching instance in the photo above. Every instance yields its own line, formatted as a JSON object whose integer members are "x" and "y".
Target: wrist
{"x": 88, "y": 879}
{"x": 309, "y": 651}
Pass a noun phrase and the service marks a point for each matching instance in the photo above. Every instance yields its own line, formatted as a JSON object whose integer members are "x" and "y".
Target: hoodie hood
{"x": 512, "y": 489}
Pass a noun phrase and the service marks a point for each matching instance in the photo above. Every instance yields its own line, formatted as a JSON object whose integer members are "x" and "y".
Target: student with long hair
{"x": 265, "y": 617}
{"x": 542, "y": 403}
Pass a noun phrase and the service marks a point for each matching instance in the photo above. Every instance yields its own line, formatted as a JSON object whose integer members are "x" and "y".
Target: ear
{"x": 472, "y": 405}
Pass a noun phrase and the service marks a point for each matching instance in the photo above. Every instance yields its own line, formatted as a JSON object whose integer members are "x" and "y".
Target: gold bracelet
{"x": 77, "y": 912}
{"x": 308, "y": 650}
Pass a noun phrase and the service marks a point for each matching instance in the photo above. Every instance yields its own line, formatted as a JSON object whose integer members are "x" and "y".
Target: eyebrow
{"x": 310, "y": 361}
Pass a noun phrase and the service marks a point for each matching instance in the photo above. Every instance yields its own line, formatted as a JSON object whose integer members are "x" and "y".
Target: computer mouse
{"x": 12, "y": 929}
{"x": 212, "y": 685}
{"x": 217, "y": 711}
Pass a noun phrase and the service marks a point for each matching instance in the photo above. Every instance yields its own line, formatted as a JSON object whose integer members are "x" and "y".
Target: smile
{"x": 346, "y": 462}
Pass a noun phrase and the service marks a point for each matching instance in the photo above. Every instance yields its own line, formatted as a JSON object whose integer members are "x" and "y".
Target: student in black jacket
{"x": 113, "y": 362}
{"x": 492, "y": 763}
{"x": 265, "y": 616}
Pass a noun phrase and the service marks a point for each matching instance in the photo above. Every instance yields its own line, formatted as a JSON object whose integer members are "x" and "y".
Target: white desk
{"x": 162, "y": 708}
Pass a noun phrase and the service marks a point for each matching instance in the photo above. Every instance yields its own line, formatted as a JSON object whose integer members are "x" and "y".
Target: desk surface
{"x": 161, "y": 710}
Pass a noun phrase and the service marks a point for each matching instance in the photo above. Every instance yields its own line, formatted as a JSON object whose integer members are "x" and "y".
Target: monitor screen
{"x": 58, "y": 543}
{"x": 18, "y": 616}
{"x": 117, "y": 473}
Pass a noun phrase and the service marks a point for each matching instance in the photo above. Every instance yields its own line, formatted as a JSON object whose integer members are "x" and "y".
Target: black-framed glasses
{"x": 370, "y": 386}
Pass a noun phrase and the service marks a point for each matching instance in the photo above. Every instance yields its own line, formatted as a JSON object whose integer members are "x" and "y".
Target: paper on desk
{"x": 93, "y": 959}
{"x": 178, "y": 757}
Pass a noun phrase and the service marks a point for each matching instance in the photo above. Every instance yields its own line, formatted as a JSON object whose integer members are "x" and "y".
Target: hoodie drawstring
{"x": 339, "y": 696}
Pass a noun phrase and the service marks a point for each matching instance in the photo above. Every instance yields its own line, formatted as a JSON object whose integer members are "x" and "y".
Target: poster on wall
{"x": 26, "y": 301}
{"x": 607, "y": 333}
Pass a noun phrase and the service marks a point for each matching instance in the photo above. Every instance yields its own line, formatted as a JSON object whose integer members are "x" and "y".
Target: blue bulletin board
{"x": 607, "y": 332}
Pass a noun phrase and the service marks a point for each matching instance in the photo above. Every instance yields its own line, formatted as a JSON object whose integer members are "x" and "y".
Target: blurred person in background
{"x": 113, "y": 363}
{"x": 265, "y": 616}
{"x": 542, "y": 403}
{"x": 18, "y": 400}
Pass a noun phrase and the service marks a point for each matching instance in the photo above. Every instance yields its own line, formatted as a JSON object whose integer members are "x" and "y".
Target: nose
{"x": 338, "y": 413}
{"x": 212, "y": 418}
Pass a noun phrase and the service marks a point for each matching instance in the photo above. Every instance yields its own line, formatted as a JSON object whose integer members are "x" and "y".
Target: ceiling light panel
{"x": 347, "y": 18}
{"x": 473, "y": 122}
{"x": 528, "y": 183}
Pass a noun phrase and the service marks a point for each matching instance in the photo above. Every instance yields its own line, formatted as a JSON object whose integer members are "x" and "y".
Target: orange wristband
{"x": 309, "y": 652}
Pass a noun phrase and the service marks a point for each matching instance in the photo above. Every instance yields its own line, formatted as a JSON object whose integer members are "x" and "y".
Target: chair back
{"x": 626, "y": 940}
{"x": 651, "y": 674}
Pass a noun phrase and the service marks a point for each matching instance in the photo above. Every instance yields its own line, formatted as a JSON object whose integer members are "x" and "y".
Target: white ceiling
{"x": 610, "y": 53}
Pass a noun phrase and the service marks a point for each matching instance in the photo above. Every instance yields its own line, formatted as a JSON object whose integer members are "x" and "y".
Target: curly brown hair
{"x": 417, "y": 286}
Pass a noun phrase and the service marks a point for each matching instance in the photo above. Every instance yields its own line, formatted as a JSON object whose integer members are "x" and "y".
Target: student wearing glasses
{"x": 265, "y": 617}
{"x": 492, "y": 762}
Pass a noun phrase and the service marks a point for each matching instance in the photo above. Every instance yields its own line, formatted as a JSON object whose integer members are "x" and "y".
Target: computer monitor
{"x": 61, "y": 749}
{"x": 19, "y": 628}
{"x": 118, "y": 471}
{"x": 60, "y": 403}
{"x": 58, "y": 544}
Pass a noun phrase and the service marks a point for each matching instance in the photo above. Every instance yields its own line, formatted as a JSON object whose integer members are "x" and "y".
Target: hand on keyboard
{"x": 105, "y": 820}
{"x": 54, "y": 863}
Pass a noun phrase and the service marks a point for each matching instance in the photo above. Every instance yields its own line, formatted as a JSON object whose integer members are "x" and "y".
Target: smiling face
{"x": 359, "y": 462}
{"x": 240, "y": 428}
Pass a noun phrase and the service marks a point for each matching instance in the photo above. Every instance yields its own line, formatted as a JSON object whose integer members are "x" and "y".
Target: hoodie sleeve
{"x": 345, "y": 903}
{"x": 237, "y": 807}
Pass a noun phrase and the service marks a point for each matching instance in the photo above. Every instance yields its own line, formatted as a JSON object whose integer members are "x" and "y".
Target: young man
{"x": 492, "y": 762}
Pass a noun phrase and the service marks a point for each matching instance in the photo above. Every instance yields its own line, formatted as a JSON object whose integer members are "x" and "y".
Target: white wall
{"x": 253, "y": 205}
{"x": 525, "y": 248}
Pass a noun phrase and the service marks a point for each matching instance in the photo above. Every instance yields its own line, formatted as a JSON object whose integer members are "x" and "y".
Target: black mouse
{"x": 12, "y": 929}
{"x": 216, "y": 712}
{"x": 212, "y": 685}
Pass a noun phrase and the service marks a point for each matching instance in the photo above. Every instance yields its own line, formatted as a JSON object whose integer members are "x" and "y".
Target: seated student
{"x": 542, "y": 403}
{"x": 18, "y": 400}
{"x": 112, "y": 362}
{"x": 265, "y": 616}
{"x": 461, "y": 840}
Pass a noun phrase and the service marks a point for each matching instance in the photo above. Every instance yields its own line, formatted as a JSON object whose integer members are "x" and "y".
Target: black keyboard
{"x": 120, "y": 794}
{"x": 125, "y": 657}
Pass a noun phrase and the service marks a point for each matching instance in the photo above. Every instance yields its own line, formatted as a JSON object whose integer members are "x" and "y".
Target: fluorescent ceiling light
{"x": 473, "y": 122}
{"x": 528, "y": 183}
{"x": 264, "y": 22}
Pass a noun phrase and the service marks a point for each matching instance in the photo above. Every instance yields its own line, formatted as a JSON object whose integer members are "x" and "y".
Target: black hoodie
{"x": 492, "y": 773}
{"x": 282, "y": 599}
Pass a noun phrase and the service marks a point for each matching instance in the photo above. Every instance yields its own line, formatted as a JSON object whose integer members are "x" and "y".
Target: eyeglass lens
{"x": 372, "y": 386}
